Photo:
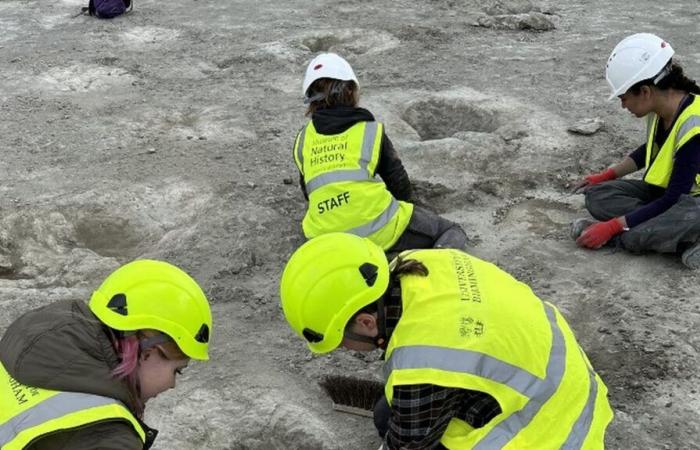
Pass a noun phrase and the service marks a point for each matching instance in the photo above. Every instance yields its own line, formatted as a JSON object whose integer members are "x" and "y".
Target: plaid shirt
{"x": 420, "y": 413}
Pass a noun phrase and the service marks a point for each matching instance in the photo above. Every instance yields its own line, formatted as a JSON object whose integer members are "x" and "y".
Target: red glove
{"x": 600, "y": 177}
{"x": 590, "y": 180}
{"x": 599, "y": 233}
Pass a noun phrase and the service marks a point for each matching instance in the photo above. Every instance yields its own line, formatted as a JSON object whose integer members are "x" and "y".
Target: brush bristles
{"x": 352, "y": 391}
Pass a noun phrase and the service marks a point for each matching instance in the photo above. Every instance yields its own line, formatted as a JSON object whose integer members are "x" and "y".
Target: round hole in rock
{"x": 108, "y": 236}
{"x": 438, "y": 118}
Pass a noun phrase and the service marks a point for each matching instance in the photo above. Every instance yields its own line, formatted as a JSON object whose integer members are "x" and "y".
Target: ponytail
{"x": 674, "y": 79}
{"x": 409, "y": 267}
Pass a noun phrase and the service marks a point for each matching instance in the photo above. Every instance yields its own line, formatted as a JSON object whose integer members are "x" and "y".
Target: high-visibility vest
{"x": 28, "y": 413}
{"x": 344, "y": 194}
{"x": 470, "y": 325}
{"x": 659, "y": 162}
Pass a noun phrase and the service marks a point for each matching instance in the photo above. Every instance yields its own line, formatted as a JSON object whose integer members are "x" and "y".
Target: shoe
{"x": 578, "y": 225}
{"x": 691, "y": 257}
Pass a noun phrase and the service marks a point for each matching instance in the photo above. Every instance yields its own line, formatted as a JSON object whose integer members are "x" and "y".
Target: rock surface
{"x": 478, "y": 115}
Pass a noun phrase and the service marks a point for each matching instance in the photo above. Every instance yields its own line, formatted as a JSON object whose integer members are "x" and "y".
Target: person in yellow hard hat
{"x": 77, "y": 376}
{"x": 473, "y": 359}
{"x": 661, "y": 212}
{"x": 350, "y": 172}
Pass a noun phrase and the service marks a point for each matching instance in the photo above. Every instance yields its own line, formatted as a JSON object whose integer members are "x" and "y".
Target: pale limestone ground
{"x": 167, "y": 133}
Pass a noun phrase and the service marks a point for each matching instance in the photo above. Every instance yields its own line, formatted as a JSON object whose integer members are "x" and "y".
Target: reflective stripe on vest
{"x": 377, "y": 224}
{"x": 361, "y": 174}
{"x": 688, "y": 125}
{"x": 462, "y": 328}
{"x": 659, "y": 161}
{"x": 59, "y": 405}
{"x": 28, "y": 413}
{"x": 583, "y": 423}
{"x": 542, "y": 390}
{"x": 300, "y": 147}
{"x": 343, "y": 192}
{"x": 536, "y": 389}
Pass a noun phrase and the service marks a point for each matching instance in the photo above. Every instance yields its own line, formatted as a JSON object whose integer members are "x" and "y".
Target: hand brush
{"x": 352, "y": 395}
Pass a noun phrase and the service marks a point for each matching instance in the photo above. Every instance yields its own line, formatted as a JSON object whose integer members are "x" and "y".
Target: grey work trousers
{"x": 670, "y": 232}
{"x": 426, "y": 229}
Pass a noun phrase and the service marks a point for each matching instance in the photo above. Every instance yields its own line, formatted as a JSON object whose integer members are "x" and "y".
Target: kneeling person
{"x": 350, "y": 172}
{"x": 473, "y": 358}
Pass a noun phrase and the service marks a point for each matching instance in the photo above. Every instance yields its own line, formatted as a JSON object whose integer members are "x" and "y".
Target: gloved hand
{"x": 599, "y": 233}
{"x": 590, "y": 180}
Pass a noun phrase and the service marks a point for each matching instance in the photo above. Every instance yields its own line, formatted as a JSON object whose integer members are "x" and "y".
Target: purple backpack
{"x": 107, "y": 9}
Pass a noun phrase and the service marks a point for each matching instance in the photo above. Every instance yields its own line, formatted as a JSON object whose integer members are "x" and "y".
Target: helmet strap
{"x": 360, "y": 337}
{"x": 380, "y": 339}
{"x": 152, "y": 341}
{"x": 314, "y": 98}
{"x": 665, "y": 71}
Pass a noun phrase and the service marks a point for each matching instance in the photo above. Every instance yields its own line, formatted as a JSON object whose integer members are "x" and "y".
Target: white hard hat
{"x": 328, "y": 65}
{"x": 637, "y": 57}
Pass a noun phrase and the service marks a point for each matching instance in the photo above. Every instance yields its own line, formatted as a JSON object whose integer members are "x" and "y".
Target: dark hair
{"x": 335, "y": 93}
{"x": 675, "y": 79}
{"x": 409, "y": 267}
{"x": 402, "y": 267}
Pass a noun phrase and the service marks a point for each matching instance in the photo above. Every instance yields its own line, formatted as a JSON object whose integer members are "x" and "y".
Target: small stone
{"x": 532, "y": 21}
{"x": 669, "y": 404}
{"x": 5, "y": 264}
{"x": 586, "y": 127}
{"x": 15, "y": 60}
{"x": 151, "y": 150}
{"x": 202, "y": 138}
{"x": 189, "y": 138}
{"x": 287, "y": 181}
{"x": 251, "y": 185}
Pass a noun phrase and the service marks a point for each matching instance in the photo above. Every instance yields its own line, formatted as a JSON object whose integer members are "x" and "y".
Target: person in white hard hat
{"x": 661, "y": 212}
{"x": 350, "y": 172}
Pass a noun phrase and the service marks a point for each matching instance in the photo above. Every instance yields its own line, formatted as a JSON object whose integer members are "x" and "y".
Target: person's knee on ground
{"x": 453, "y": 237}
{"x": 429, "y": 230}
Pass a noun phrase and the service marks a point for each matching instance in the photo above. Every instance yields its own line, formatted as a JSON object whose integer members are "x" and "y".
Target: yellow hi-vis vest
{"x": 470, "y": 325}
{"x": 28, "y": 413}
{"x": 659, "y": 169}
{"x": 344, "y": 194}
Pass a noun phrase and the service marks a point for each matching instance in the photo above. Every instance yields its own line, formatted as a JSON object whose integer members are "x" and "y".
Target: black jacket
{"x": 337, "y": 120}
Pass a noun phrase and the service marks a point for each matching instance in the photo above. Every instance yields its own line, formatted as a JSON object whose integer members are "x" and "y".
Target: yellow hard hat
{"x": 149, "y": 294}
{"x": 326, "y": 281}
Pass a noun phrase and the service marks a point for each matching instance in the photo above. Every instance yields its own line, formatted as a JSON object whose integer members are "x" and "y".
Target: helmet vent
{"x": 369, "y": 273}
{"x": 203, "y": 334}
{"x": 312, "y": 336}
{"x": 118, "y": 304}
